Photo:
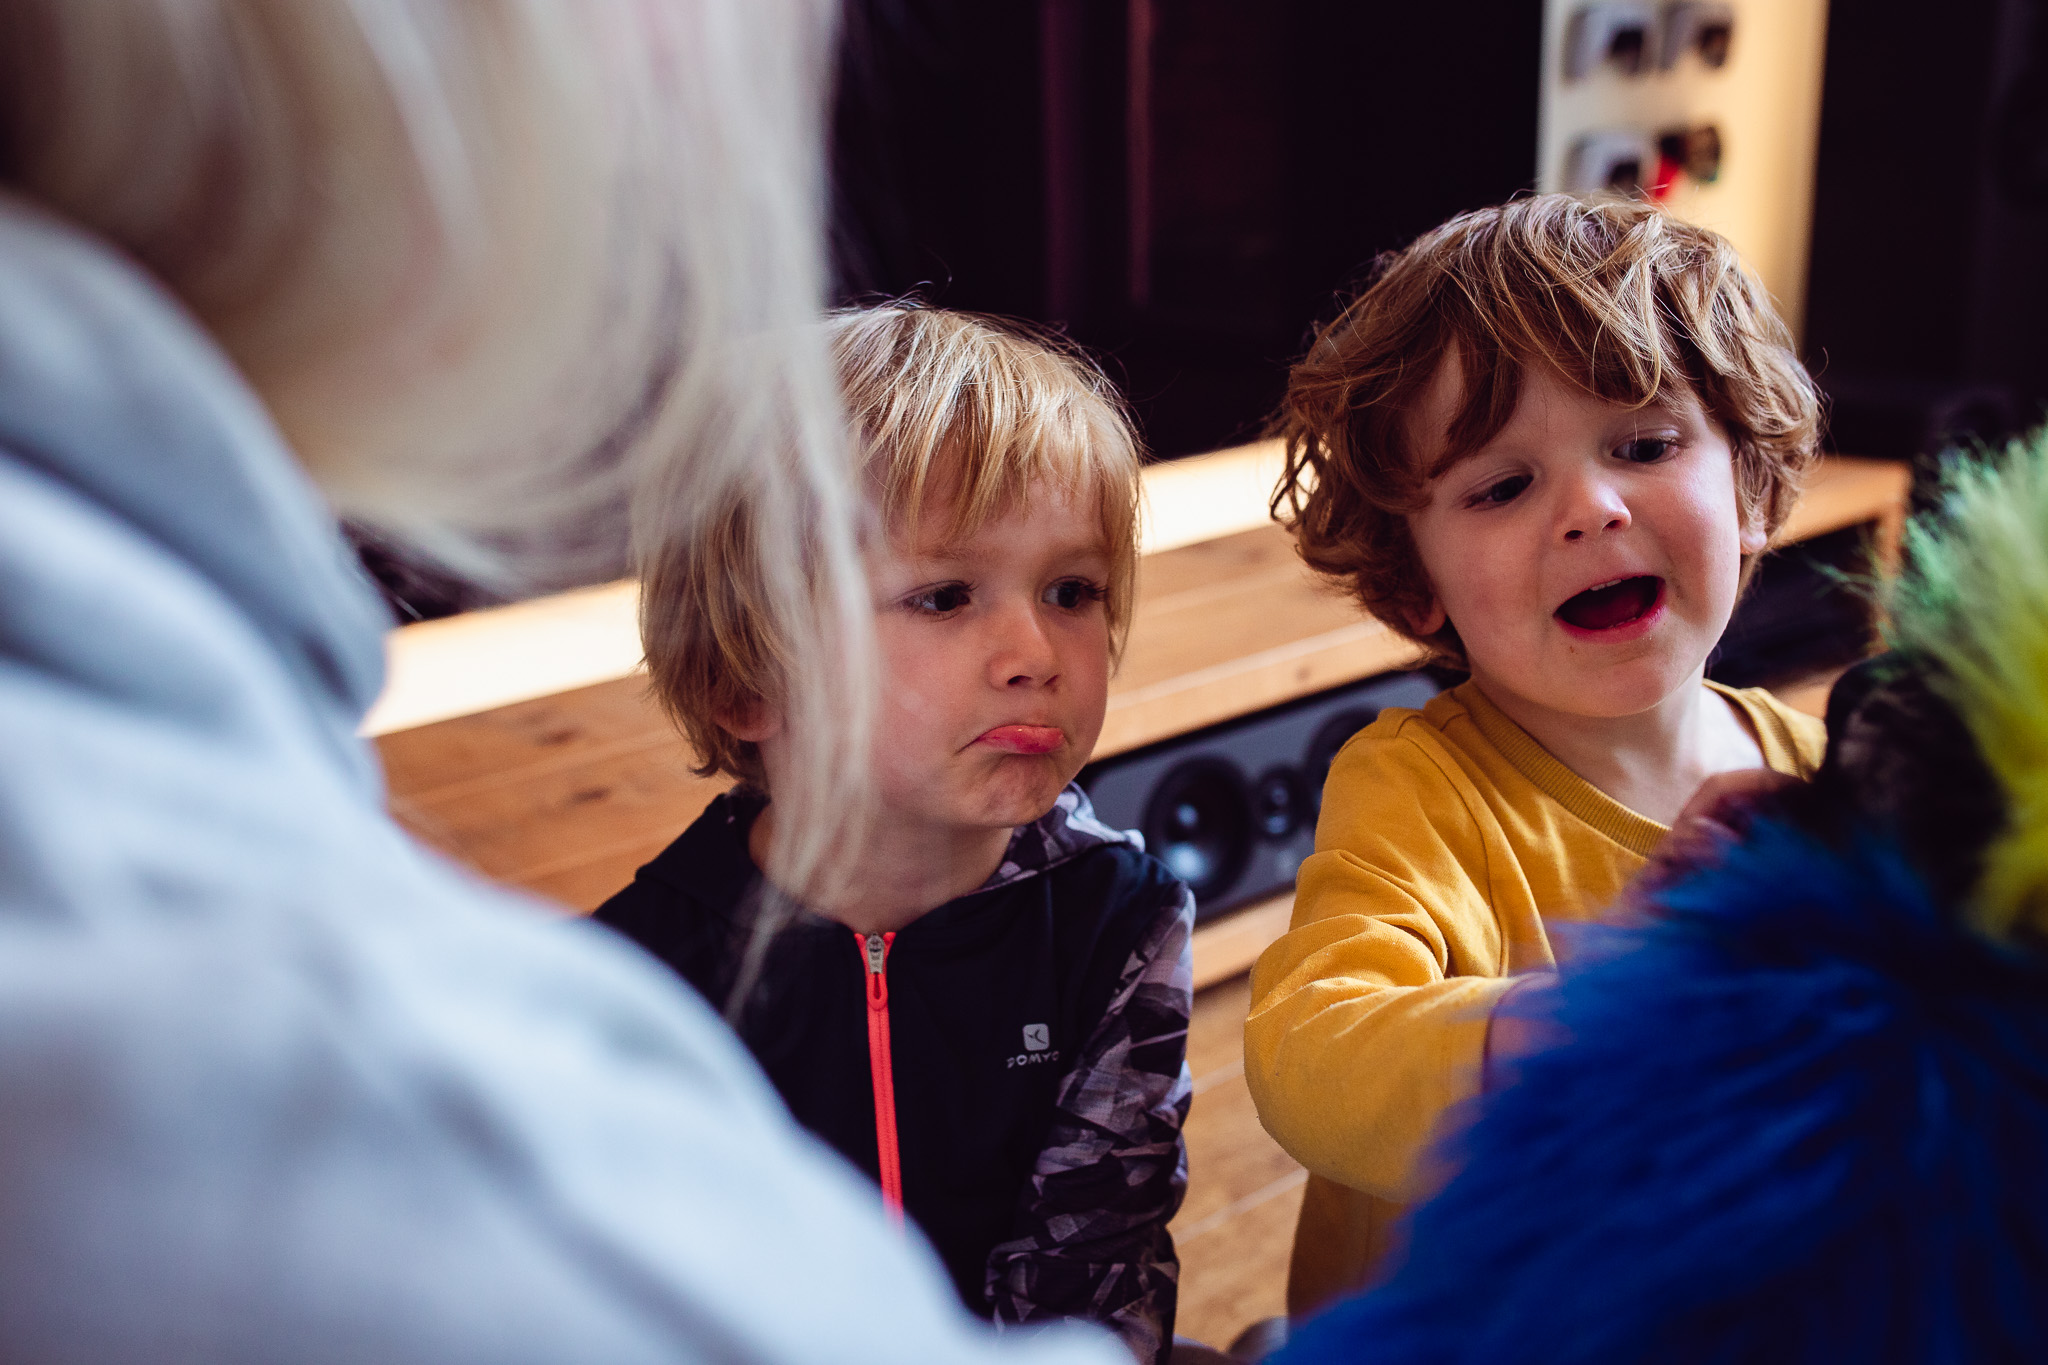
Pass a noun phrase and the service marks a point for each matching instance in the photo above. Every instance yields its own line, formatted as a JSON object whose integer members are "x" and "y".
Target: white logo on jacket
{"x": 1038, "y": 1048}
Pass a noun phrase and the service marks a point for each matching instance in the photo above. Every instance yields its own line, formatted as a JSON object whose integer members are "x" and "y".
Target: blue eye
{"x": 1645, "y": 449}
{"x": 1071, "y": 594}
{"x": 943, "y": 600}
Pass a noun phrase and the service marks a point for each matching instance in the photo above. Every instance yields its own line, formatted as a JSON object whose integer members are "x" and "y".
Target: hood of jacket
{"x": 1066, "y": 831}
{"x": 154, "y": 512}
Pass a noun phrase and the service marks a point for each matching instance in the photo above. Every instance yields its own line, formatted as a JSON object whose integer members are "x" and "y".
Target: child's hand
{"x": 1720, "y": 809}
{"x": 1714, "y": 819}
{"x": 1519, "y": 1025}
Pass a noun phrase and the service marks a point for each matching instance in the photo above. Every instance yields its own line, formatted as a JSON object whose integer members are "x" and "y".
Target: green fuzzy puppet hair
{"x": 1973, "y": 604}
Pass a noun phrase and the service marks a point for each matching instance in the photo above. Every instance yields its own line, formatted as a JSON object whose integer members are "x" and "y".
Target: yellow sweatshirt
{"x": 1448, "y": 835}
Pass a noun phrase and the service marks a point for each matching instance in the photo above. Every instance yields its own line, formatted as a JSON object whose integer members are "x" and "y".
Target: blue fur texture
{"x": 1802, "y": 1118}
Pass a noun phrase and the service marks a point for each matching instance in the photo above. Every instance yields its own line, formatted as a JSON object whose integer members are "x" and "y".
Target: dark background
{"x": 1183, "y": 187}
{"x": 1188, "y": 186}
{"x": 1927, "y": 306}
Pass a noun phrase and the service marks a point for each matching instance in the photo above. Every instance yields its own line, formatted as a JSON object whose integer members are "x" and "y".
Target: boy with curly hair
{"x": 1548, "y": 443}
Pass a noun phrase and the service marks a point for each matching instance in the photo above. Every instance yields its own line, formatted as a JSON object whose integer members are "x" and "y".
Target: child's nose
{"x": 1594, "y": 505}
{"x": 1023, "y": 652}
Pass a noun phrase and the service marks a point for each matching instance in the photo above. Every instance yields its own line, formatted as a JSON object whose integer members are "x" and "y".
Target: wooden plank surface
{"x": 564, "y": 796}
{"x": 496, "y": 656}
{"x": 1845, "y": 490}
{"x": 1227, "y": 946}
{"x": 442, "y": 761}
{"x": 480, "y": 660}
{"x": 1235, "y": 1229}
{"x": 1231, "y": 626}
{"x": 567, "y": 794}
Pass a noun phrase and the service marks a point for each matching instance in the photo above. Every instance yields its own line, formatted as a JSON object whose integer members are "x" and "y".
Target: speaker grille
{"x": 1232, "y": 808}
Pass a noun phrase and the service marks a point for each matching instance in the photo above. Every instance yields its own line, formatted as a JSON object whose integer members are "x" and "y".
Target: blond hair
{"x": 1627, "y": 302}
{"x": 950, "y": 409}
{"x": 497, "y": 269}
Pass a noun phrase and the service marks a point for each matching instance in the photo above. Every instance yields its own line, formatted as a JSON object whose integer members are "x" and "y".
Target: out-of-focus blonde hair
{"x": 951, "y": 410}
{"x": 497, "y": 267}
{"x": 1627, "y": 302}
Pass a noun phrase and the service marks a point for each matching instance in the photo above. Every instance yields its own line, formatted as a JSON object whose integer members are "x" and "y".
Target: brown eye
{"x": 1507, "y": 490}
{"x": 1645, "y": 450}
{"x": 1071, "y": 594}
{"x": 943, "y": 600}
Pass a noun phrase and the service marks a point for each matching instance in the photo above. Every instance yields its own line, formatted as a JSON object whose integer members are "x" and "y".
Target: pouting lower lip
{"x": 1024, "y": 739}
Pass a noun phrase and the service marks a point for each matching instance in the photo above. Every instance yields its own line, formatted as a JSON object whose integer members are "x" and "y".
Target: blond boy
{"x": 1548, "y": 443}
{"x": 986, "y": 1006}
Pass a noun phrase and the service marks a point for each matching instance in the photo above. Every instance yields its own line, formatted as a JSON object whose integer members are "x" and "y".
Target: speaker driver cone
{"x": 1281, "y": 802}
{"x": 1199, "y": 822}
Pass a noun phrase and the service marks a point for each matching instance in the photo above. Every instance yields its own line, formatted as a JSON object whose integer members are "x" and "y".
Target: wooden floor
{"x": 1234, "y": 1231}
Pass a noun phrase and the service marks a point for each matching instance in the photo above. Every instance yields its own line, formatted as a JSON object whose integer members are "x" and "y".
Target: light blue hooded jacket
{"x": 275, "y": 1084}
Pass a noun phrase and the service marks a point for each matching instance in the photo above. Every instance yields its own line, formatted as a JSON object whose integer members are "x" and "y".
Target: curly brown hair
{"x": 1625, "y": 301}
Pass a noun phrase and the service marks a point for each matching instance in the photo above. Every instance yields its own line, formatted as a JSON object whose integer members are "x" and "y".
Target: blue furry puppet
{"x": 1803, "y": 1115}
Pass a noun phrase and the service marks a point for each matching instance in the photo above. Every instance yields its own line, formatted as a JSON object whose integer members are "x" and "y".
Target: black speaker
{"x": 1232, "y": 808}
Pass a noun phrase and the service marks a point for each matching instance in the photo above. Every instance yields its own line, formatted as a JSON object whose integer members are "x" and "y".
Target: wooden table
{"x": 567, "y": 794}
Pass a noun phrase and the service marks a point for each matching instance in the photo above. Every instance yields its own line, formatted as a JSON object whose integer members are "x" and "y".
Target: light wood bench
{"x": 567, "y": 794}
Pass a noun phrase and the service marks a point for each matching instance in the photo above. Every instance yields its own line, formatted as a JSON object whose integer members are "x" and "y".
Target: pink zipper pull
{"x": 876, "y": 946}
{"x": 882, "y": 1070}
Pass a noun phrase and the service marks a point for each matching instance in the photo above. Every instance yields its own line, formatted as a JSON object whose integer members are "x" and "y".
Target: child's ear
{"x": 1428, "y": 620}
{"x": 752, "y": 721}
{"x": 1754, "y": 537}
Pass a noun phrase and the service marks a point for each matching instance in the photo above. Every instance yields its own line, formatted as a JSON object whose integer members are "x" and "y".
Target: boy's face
{"x": 995, "y": 662}
{"x": 1589, "y": 554}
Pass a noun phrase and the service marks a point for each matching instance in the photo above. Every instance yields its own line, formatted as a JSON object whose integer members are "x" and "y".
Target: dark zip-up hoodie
{"x": 1034, "y": 1033}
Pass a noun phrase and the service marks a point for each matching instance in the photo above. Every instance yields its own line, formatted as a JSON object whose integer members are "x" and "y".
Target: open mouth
{"x": 1613, "y": 604}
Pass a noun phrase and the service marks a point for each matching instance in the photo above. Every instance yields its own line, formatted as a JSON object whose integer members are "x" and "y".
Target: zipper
{"x": 874, "y": 950}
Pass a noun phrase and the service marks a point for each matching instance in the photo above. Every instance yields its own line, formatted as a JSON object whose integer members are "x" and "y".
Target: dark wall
{"x": 1927, "y": 309}
{"x": 1183, "y": 186}
{"x": 938, "y": 157}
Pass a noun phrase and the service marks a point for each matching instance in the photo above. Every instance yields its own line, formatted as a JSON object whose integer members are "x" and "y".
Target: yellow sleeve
{"x": 1792, "y": 741}
{"x": 1807, "y": 739}
{"x": 1369, "y": 1016}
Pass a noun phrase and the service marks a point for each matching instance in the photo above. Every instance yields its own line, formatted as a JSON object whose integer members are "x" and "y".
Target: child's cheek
{"x": 900, "y": 749}
{"x": 911, "y": 700}
{"x": 1088, "y": 655}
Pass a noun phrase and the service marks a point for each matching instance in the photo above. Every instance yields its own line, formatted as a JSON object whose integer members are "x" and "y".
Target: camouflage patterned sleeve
{"x": 1090, "y": 1237}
